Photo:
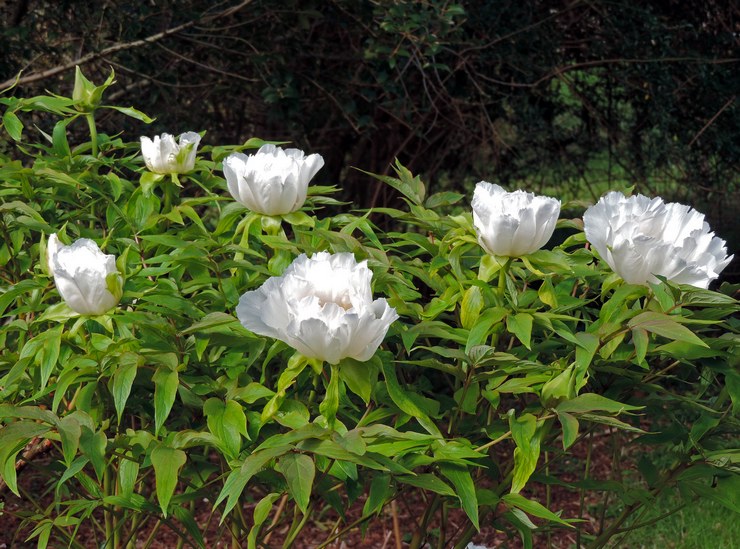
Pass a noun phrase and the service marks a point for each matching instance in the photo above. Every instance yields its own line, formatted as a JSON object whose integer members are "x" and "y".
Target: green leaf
{"x": 165, "y": 389}
{"x": 49, "y": 353}
{"x": 664, "y": 325}
{"x": 520, "y": 325}
{"x": 60, "y": 144}
{"x": 13, "y": 438}
{"x": 238, "y": 479}
{"x": 133, "y": 113}
{"x": 481, "y": 330}
{"x": 69, "y": 432}
{"x": 261, "y": 512}
{"x": 360, "y": 377}
{"x": 380, "y": 493}
{"x": 527, "y": 436}
{"x": 184, "y": 516}
{"x": 460, "y": 478}
{"x": 589, "y": 402}
{"x": 570, "y": 429}
{"x": 123, "y": 380}
{"x": 401, "y": 399}
{"x": 427, "y": 481}
{"x": 470, "y": 308}
{"x": 227, "y": 422}
{"x": 13, "y": 125}
{"x": 587, "y": 346}
{"x": 128, "y": 473}
{"x": 547, "y": 294}
{"x": 167, "y": 463}
{"x": 299, "y": 472}
{"x": 533, "y": 508}
{"x": 93, "y": 446}
{"x": 640, "y": 341}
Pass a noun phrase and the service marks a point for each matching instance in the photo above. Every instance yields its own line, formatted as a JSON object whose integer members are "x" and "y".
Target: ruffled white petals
{"x": 640, "y": 238}
{"x": 272, "y": 181}
{"x": 81, "y": 274}
{"x": 164, "y": 155}
{"x": 321, "y": 306}
{"x": 512, "y": 224}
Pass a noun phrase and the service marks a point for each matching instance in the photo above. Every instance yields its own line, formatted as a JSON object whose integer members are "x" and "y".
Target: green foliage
{"x": 494, "y": 373}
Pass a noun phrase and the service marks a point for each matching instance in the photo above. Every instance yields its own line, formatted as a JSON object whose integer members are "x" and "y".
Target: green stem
{"x": 93, "y": 133}
{"x": 502, "y": 277}
{"x": 296, "y": 528}
{"x": 616, "y": 526}
{"x": 421, "y": 532}
{"x": 107, "y": 513}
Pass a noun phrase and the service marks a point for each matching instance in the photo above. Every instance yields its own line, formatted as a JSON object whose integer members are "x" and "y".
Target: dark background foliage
{"x": 568, "y": 96}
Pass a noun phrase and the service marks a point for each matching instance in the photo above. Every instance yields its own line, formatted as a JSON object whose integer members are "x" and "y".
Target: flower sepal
{"x": 148, "y": 180}
{"x": 87, "y": 96}
{"x": 296, "y": 364}
{"x": 330, "y": 405}
{"x": 114, "y": 283}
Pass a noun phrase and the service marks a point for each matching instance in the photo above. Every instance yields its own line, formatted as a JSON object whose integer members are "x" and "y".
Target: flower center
{"x": 342, "y": 300}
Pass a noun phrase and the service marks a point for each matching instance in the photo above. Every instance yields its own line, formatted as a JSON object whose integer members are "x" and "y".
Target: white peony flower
{"x": 321, "y": 306}
{"x": 273, "y": 181}
{"x": 640, "y": 238}
{"x": 163, "y": 155}
{"x": 87, "y": 279}
{"x": 512, "y": 224}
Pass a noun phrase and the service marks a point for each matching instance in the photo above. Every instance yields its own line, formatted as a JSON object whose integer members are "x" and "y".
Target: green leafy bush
{"x": 494, "y": 371}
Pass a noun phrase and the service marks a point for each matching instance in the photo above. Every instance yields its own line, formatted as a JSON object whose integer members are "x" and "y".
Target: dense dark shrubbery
{"x": 568, "y": 94}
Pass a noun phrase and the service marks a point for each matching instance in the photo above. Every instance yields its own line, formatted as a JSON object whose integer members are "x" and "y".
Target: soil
{"x": 376, "y": 533}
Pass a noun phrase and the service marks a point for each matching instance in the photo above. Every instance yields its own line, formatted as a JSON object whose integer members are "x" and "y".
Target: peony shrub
{"x": 237, "y": 347}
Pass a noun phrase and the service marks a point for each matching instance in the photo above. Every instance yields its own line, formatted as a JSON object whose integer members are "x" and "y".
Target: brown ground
{"x": 378, "y": 533}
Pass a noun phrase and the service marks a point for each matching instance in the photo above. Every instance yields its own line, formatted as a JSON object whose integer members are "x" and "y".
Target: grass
{"x": 700, "y": 525}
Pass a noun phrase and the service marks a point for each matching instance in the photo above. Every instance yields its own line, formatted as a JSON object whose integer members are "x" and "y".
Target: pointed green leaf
{"x": 123, "y": 379}
{"x": 570, "y": 429}
{"x": 227, "y": 421}
{"x": 460, "y": 478}
{"x": 380, "y": 493}
{"x": 360, "y": 377}
{"x": 261, "y": 512}
{"x": 589, "y": 402}
{"x": 664, "y": 325}
{"x": 520, "y": 325}
{"x": 13, "y": 125}
{"x": 526, "y": 435}
{"x": 166, "y": 382}
{"x": 533, "y": 508}
{"x": 167, "y": 463}
{"x": 299, "y": 472}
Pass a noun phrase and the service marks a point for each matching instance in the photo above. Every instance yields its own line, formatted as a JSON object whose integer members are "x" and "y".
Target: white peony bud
{"x": 163, "y": 155}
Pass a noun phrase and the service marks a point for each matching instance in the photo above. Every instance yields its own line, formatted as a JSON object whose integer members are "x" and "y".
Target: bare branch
{"x": 41, "y": 75}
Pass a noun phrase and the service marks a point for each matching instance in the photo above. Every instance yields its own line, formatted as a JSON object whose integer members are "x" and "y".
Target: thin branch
{"x": 711, "y": 120}
{"x": 41, "y": 75}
